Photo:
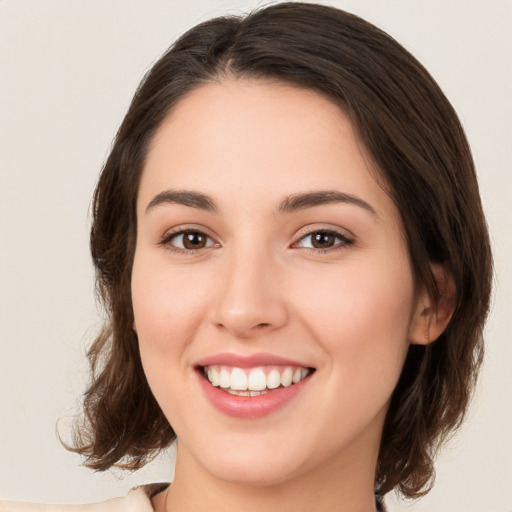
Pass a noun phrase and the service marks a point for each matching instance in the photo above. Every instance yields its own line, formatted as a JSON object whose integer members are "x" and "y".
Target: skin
{"x": 259, "y": 285}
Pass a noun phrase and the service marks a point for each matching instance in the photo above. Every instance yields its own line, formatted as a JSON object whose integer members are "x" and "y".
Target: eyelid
{"x": 346, "y": 238}
{"x": 169, "y": 235}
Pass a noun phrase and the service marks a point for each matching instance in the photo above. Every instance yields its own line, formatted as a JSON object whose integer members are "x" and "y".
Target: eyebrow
{"x": 289, "y": 204}
{"x": 186, "y": 198}
{"x": 316, "y": 198}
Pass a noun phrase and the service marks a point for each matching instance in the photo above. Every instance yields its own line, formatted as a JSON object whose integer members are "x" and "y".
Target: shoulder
{"x": 139, "y": 499}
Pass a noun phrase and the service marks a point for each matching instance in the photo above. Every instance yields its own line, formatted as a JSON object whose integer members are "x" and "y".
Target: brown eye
{"x": 324, "y": 240}
{"x": 188, "y": 241}
{"x": 194, "y": 240}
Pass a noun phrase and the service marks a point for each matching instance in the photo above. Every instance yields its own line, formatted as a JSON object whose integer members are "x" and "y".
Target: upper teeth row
{"x": 255, "y": 379}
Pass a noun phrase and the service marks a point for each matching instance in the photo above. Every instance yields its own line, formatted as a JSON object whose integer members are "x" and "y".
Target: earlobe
{"x": 431, "y": 319}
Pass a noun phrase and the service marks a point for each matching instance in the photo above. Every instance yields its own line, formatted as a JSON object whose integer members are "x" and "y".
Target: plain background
{"x": 68, "y": 69}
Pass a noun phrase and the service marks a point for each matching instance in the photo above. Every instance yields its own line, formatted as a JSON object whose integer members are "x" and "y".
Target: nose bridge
{"x": 250, "y": 298}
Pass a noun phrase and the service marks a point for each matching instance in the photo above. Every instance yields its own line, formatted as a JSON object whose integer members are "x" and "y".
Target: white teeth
{"x": 238, "y": 380}
{"x": 287, "y": 377}
{"x": 257, "y": 380}
{"x": 258, "y": 393}
{"x": 246, "y": 393}
{"x": 254, "y": 382}
{"x": 214, "y": 376}
{"x": 225, "y": 378}
{"x": 273, "y": 379}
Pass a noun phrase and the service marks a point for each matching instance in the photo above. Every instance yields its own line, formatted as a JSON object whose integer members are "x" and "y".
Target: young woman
{"x": 289, "y": 242}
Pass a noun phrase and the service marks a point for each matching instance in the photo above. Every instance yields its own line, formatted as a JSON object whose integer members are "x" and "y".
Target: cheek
{"x": 362, "y": 320}
{"x": 168, "y": 306}
{"x": 167, "y": 303}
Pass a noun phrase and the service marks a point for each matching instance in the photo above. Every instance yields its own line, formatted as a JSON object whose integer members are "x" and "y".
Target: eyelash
{"x": 344, "y": 241}
{"x": 169, "y": 237}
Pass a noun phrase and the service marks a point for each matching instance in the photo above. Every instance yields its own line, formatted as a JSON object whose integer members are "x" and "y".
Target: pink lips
{"x": 253, "y": 360}
{"x": 245, "y": 407}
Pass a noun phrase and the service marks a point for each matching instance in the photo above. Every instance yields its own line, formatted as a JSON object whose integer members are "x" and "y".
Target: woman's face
{"x": 268, "y": 257}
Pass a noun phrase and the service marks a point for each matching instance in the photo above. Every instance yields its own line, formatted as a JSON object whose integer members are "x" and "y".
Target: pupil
{"x": 194, "y": 240}
{"x": 323, "y": 240}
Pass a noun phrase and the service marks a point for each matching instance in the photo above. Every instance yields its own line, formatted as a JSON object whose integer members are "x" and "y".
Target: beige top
{"x": 137, "y": 500}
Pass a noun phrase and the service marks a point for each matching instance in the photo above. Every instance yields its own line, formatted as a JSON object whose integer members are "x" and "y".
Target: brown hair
{"x": 415, "y": 140}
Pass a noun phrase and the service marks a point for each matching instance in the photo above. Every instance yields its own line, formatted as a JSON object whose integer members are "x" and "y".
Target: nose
{"x": 251, "y": 299}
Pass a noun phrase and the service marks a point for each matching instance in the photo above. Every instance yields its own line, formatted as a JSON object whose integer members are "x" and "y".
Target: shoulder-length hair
{"x": 416, "y": 141}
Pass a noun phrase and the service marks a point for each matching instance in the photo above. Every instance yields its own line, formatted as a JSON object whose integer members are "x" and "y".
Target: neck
{"x": 326, "y": 488}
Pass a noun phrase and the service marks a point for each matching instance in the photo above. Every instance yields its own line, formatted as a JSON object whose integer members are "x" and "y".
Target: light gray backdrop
{"x": 68, "y": 69}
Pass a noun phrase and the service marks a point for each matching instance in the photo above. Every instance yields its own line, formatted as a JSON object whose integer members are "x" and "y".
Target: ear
{"x": 431, "y": 319}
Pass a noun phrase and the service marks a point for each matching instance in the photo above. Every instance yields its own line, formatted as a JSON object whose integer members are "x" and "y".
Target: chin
{"x": 251, "y": 460}
{"x": 255, "y": 473}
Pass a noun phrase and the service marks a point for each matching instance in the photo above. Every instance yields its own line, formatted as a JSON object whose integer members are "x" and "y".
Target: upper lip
{"x": 248, "y": 361}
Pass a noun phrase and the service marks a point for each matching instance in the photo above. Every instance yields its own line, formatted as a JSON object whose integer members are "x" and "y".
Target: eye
{"x": 187, "y": 240}
{"x": 324, "y": 240}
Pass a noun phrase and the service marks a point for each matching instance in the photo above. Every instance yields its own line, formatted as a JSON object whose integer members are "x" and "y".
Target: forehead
{"x": 251, "y": 138}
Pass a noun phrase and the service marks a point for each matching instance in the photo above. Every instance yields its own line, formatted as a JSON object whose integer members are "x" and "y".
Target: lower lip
{"x": 250, "y": 407}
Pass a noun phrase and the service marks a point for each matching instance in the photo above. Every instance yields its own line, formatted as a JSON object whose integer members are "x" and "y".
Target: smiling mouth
{"x": 249, "y": 382}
